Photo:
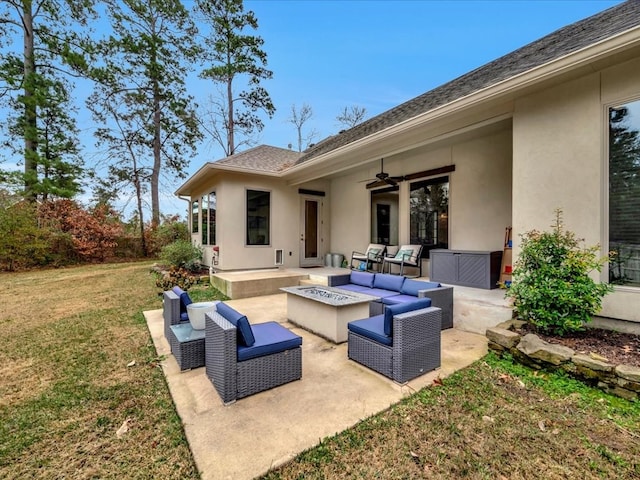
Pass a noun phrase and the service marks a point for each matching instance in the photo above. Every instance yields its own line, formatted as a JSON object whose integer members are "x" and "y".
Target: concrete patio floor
{"x": 247, "y": 438}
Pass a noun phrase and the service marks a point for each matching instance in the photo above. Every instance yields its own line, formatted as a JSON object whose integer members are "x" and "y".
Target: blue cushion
{"x": 411, "y": 287}
{"x": 362, "y": 278}
{"x": 402, "y": 298}
{"x": 372, "y": 328}
{"x": 354, "y": 288}
{"x": 270, "y": 337}
{"x": 388, "y": 282}
{"x": 185, "y": 300}
{"x": 184, "y": 317}
{"x": 378, "y": 292}
{"x": 391, "y": 310}
{"x": 245, "y": 334}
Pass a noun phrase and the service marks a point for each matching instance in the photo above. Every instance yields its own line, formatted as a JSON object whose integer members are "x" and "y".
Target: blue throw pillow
{"x": 185, "y": 299}
{"x": 391, "y": 310}
{"x": 362, "y": 278}
{"x": 404, "y": 255}
{"x": 245, "y": 334}
{"x": 411, "y": 287}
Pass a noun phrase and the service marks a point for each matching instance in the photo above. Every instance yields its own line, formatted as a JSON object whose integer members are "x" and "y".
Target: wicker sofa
{"x": 402, "y": 343}
{"x": 394, "y": 289}
{"x": 242, "y": 359}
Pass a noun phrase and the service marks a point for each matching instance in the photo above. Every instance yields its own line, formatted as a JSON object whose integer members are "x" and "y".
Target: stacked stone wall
{"x": 531, "y": 350}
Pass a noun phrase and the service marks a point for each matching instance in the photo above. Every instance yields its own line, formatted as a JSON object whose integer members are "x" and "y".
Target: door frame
{"x": 317, "y": 260}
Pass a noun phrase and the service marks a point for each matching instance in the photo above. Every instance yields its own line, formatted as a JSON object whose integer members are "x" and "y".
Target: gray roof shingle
{"x": 564, "y": 41}
{"x": 263, "y": 158}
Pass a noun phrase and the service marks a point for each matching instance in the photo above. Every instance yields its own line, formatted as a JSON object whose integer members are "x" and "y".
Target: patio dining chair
{"x": 407, "y": 256}
{"x": 372, "y": 257}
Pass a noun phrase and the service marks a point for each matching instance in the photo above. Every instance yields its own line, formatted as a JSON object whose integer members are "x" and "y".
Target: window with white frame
{"x": 208, "y": 219}
{"x": 258, "y": 217}
{"x": 624, "y": 194}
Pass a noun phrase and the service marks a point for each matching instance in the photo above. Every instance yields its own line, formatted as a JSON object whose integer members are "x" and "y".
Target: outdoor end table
{"x": 187, "y": 346}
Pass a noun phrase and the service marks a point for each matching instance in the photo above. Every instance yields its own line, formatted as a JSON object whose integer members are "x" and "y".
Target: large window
{"x": 208, "y": 219}
{"x": 194, "y": 217}
{"x": 429, "y": 214}
{"x": 384, "y": 216}
{"x": 258, "y": 217}
{"x": 624, "y": 193}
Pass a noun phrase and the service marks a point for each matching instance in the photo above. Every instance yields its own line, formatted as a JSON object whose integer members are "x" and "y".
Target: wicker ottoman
{"x": 187, "y": 346}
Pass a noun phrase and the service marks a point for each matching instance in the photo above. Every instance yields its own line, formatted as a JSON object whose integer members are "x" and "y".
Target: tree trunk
{"x": 230, "y": 140}
{"x": 30, "y": 112}
{"x": 155, "y": 174}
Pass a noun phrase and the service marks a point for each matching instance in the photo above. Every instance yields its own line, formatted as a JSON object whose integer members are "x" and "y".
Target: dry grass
{"x": 65, "y": 387}
{"x": 493, "y": 420}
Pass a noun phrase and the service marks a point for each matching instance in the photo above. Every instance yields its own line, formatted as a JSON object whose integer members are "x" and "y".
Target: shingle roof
{"x": 263, "y": 158}
{"x": 553, "y": 46}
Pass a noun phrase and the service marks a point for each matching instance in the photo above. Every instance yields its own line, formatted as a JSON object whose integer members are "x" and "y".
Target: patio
{"x": 247, "y": 438}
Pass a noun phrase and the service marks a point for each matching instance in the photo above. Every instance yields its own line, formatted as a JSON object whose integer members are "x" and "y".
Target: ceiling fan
{"x": 383, "y": 178}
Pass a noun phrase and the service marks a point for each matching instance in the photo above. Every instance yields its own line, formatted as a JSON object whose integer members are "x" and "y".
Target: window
{"x": 624, "y": 193}
{"x": 194, "y": 216}
{"x": 208, "y": 219}
{"x": 384, "y": 216}
{"x": 429, "y": 214}
{"x": 258, "y": 217}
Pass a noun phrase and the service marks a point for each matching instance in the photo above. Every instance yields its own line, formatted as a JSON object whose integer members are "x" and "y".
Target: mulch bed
{"x": 618, "y": 348}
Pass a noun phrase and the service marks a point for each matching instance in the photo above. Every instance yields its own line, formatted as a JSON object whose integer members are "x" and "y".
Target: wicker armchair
{"x": 372, "y": 257}
{"x": 237, "y": 370}
{"x": 174, "y": 309}
{"x": 411, "y": 349}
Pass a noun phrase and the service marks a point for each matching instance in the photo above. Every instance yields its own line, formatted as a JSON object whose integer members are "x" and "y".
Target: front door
{"x": 310, "y": 232}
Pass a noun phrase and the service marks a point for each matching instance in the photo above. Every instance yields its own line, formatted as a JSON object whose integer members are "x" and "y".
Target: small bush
{"x": 182, "y": 254}
{"x": 551, "y": 285}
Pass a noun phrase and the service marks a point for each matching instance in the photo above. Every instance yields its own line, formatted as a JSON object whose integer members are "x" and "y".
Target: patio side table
{"x": 187, "y": 346}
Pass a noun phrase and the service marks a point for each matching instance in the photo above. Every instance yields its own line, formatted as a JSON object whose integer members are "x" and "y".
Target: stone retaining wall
{"x": 531, "y": 350}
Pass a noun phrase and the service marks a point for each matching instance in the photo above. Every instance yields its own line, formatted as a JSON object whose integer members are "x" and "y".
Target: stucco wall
{"x": 231, "y": 218}
{"x": 479, "y": 203}
{"x": 560, "y": 160}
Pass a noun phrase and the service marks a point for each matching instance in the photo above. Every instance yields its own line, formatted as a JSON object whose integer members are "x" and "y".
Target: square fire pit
{"x": 326, "y": 311}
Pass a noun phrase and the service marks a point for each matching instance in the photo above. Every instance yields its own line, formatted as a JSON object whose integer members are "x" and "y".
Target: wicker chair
{"x": 174, "y": 309}
{"x": 237, "y": 370}
{"x": 401, "y": 344}
{"x": 372, "y": 257}
{"x": 407, "y": 256}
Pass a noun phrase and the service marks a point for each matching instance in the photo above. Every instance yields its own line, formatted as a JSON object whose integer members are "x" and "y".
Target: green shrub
{"x": 182, "y": 254}
{"x": 551, "y": 287}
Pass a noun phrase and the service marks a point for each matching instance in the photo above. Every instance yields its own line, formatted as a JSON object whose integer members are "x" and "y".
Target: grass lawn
{"x": 68, "y": 384}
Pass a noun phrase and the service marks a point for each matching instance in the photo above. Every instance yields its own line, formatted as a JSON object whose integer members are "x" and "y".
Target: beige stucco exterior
{"x": 520, "y": 148}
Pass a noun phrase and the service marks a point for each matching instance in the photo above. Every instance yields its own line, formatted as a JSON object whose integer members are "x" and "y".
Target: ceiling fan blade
{"x": 390, "y": 181}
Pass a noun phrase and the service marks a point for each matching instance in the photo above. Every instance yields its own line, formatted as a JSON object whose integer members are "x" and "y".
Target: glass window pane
{"x": 384, "y": 215}
{"x": 624, "y": 194}
{"x": 212, "y": 218}
{"x": 429, "y": 214}
{"x": 194, "y": 216}
{"x": 204, "y": 220}
{"x": 258, "y": 217}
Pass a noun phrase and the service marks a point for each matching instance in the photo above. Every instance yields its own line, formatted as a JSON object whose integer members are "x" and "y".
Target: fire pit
{"x": 326, "y": 311}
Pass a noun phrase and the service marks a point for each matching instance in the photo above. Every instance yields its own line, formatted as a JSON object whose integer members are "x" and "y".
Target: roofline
{"x": 556, "y": 67}
{"x": 207, "y": 167}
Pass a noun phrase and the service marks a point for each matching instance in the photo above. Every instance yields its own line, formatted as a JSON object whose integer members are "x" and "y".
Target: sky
{"x": 373, "y": 54}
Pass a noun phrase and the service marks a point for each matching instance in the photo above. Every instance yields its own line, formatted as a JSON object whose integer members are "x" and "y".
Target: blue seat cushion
{"x": 362, "y": 278}
{"x": 184, "y": 317}
{"x": 378, "y": 292}
{"x": 411, "y": 287}
{"x": 391, "y": 310}
{"x": 241, "y": 322}
{"x": 354, "y": 288}
{"x": 185, "y": 300}
{"x": 372, "y": 328}
{"x": 385, "y": 281}
{"x": 396, "y": 299}
{"x": 270, "y": 338}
